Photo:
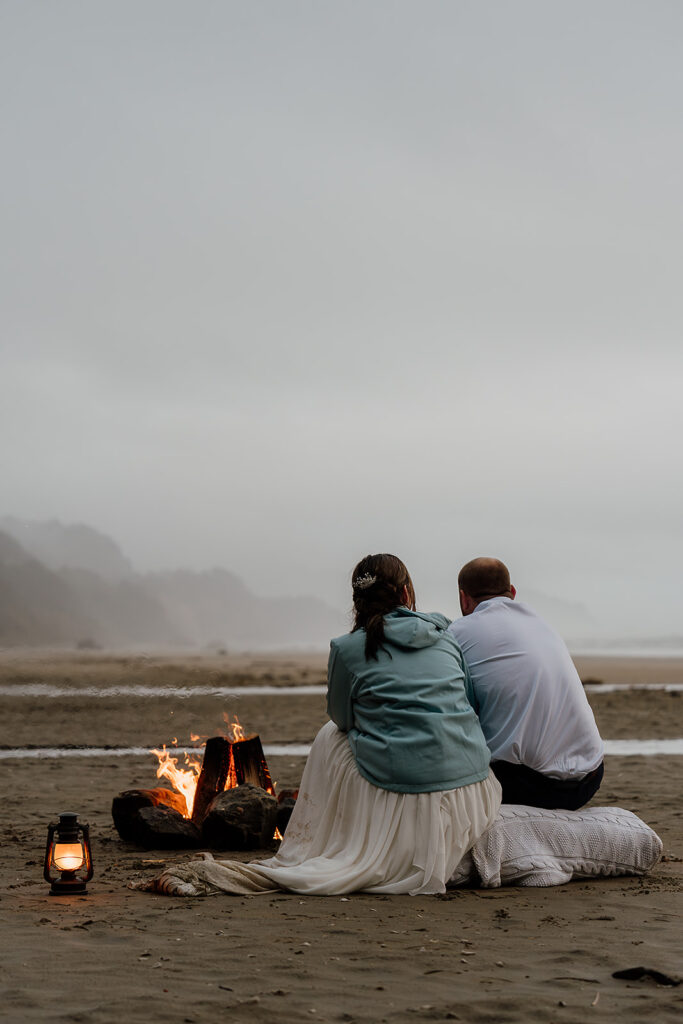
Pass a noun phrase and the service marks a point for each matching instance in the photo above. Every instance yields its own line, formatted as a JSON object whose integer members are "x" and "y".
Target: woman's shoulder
{"x": 349, "y": 641}
{"x": 349, "y": 650}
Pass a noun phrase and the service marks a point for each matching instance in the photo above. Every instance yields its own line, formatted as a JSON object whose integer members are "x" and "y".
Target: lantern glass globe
{"x": 68, "y": 856}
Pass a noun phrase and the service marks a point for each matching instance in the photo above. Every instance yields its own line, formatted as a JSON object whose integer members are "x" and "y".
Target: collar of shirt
{"x": 489, "y": 601}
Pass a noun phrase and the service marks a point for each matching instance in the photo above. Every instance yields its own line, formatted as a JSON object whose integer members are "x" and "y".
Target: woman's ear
{"x": 405, "y": 597}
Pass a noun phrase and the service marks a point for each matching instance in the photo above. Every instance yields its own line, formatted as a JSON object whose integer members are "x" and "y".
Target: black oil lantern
{"x": 68, "y": 860}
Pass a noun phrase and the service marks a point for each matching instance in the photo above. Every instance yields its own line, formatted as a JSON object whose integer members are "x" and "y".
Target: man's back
{"x": 530, "y": 701}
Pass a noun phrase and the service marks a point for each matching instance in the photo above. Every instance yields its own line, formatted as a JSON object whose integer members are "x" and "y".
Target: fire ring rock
{"x": 164, "y": 828}
{"x": 286, "y": 799}
{"x": 125, "y": 807}
{"x": 242, "y": 818}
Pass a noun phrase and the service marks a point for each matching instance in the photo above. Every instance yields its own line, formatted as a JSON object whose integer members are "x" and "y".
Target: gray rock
{"x": 164, "y": 828}
{"x": 125, "y": 806}
{"x": 286, "y": 800}
{"x": 242, "y": 818}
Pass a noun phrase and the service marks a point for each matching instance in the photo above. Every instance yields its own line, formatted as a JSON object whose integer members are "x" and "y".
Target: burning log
{"x": 242, "y": 818}
{"x": 250, "y": 763}
{"x": 213, "y": 777}
{"x": 239, "y": 762}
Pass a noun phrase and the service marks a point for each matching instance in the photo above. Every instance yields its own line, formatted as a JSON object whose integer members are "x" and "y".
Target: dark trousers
{"x": 522, "y": 785}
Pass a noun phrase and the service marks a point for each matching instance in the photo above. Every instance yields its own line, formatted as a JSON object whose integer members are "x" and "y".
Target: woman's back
{"x": 410, "y": 725}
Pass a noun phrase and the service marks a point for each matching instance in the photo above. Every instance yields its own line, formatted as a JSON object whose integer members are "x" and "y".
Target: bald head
{"x": 481, "y": 579}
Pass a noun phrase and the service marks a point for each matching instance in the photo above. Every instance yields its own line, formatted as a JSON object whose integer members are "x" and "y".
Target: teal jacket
{"x": 409, "y": 721}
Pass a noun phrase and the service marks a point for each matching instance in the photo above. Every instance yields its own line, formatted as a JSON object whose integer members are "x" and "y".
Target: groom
{"x": 545, "y": 747}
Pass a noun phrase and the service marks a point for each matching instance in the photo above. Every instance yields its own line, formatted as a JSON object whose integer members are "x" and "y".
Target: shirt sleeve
{"x": 339, "y": 682}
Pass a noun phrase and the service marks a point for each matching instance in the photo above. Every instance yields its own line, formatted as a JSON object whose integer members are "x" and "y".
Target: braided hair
{"x": 378, "y": 582}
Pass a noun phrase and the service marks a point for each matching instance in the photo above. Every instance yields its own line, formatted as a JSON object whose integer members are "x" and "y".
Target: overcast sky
{"x": 287, "y": 282}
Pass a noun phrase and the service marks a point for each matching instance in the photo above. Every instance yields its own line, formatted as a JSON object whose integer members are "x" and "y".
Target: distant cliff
{"x": 71, "y": 585}
{"x": 36, "y": 605}
{"x": 44, "y": 606}
{"x": 73, "y": 546}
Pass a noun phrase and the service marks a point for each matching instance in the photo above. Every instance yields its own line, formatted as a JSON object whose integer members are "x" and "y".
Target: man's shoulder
{"x": 502, "y": 617}
{"x": 495, "y": 608}
{"x": 465, "y": 626}
{"x": 476, "y": 620}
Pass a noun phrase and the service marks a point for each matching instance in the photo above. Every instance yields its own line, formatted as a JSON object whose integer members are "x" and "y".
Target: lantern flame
{"x": 68, "y": 856}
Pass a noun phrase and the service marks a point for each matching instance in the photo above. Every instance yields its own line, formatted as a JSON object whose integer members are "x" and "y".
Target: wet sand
{"x": 477, "y": 955}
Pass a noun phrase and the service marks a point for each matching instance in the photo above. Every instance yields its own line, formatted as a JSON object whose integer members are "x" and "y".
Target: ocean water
{"x": 52, "y": 691}
{"x": 643, "y": 651}
{"x": 622, "y": 748}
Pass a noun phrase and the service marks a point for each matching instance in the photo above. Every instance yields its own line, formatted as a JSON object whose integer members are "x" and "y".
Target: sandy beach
{"x": 477, "y": 955}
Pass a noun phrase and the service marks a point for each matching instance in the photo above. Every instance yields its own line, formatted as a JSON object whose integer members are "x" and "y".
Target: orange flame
{"x": 184, "y": 780}
{"x": 235, "y": 732}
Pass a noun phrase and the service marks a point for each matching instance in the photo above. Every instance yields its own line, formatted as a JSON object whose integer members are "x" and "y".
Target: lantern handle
{"x": 48, "y": 849}
{"x": 88, "y": 853}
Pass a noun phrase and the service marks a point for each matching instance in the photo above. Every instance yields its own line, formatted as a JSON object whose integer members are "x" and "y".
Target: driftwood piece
{"x": 250, "y": 763}
{"x": 214, "y": 775}
{"x": 242, "y": 818}
{"x": 125, "y": 806}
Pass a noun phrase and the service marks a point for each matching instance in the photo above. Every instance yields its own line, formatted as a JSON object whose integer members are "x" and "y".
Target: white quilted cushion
{"x": 533, "y": 846}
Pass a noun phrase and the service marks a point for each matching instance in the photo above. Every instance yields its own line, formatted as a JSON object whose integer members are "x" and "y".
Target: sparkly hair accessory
{"x": 363, "y": 582}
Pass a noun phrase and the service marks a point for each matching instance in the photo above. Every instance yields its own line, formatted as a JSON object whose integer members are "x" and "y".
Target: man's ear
{"x": 467, "y": 603}
{"x": 513, "y": 592}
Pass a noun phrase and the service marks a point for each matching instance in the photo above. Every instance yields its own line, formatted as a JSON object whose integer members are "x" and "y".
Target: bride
{"x": 397, "y": 787}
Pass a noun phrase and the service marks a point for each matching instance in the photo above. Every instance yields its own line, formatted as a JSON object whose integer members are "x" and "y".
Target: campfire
{"x": 229, "y": 760}
{"x": 225, "y": 801}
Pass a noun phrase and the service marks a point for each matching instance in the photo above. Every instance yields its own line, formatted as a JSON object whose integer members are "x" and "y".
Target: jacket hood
{"x": 404, "y": 628}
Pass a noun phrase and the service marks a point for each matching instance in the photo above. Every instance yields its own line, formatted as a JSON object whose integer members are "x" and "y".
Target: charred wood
{"x": 214, "y": 775}
{"x": 250, "y": 763}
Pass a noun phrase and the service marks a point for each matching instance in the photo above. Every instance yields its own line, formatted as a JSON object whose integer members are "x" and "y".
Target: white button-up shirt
{"x": 529, "y": 698}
